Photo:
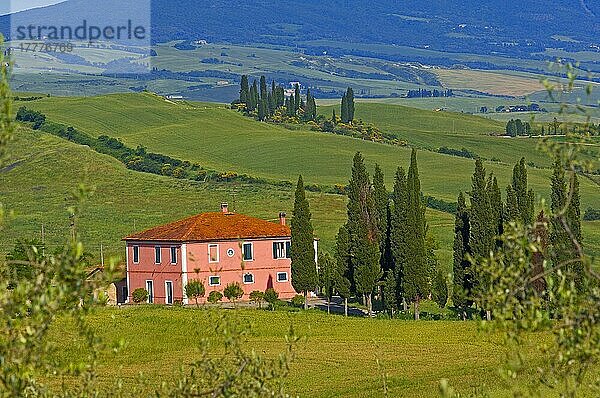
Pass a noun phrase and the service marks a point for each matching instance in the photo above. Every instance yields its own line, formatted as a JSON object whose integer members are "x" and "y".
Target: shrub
{"x": 591, "y": 214}
{"x": 298, "y": 300}
{"x": 257, "y": 296}
{"x": 271, "y": 296}
{"x": 139, "y": 295}
{"x": 233, "y": 292}
{"x": 215, "y": 296}
{"x": 440, "y": 289}
{"x": 194, "y": 290}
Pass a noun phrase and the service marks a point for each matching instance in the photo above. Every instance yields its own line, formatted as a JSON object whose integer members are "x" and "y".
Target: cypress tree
{"x": 559, "y": 239}
{"x": 262, "y": 109}
{"x": 297, "y": 98}
{"x": 381, "y": 198}
{"x": 344, "y": 110}
{"x": 304, "y": 269}
{"x": 482, "y": 231}
{"x": 333, "y": 116}
{"x": 399, "y": 232}
{"x": 362, "y": 229}
{"x": 350, "y": 104}
{"x": 263, "y": 88}
{"x": 496, "y": 205}
{"x": 511, "y": 211}
{"x": 574, "y": 222}
{"x": 461, "y": 267}
{"x": 415, "y": 282}
{"x": 540, "y": 233}
{"x": 343, "y": 274}
{"x": 244, "y": 90}
{"x": 525, "y": 199}
{"x": 482, "y": 226}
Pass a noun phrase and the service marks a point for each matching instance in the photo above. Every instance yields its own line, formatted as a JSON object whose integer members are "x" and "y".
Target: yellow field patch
{"x": 490, "y": 82}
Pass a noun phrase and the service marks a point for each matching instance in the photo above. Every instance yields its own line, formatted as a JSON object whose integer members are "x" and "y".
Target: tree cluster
{"x": 347, "y": 110}
{"x": 265, "y": 102}
{"x": 515, "y": 128}
{"x": 423, "y": 93}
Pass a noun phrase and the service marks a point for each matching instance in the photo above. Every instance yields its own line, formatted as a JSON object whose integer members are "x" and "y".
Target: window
{"x": 282, "y": 277}
{"x": 213, "y": 253}
{"x": 136, "y": 254}
{"x": 248, "y": 279}
{"x": 157, "y": 255}
{"x": 288, "y": 249}
{"x": 214, "y": 281}
{"x": 150, "y": 290}
{"x": 248, "y": 252}
{"x": 168, "y": 292}
{"x": 173, "y": 255}
{"x": 278, "y": 250}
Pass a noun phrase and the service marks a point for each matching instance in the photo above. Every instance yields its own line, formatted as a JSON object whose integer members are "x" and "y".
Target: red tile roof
{"x": 213, "y": 226}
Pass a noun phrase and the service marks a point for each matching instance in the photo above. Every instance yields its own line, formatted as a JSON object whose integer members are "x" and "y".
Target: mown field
{"x": 224, "y": 140}
{"x": 336, "y": 357}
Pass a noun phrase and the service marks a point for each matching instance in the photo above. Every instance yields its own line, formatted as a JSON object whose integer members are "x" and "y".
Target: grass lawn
{"x": 336, "y": 359}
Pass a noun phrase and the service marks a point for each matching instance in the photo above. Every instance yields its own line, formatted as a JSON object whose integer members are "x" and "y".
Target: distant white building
{"x": 174, "y": 97}
{"x": 294, "y": 84}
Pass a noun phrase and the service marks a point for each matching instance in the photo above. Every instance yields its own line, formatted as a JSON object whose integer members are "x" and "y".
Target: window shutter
{"x": 288, "y": 249}
{"x": 275, "y": 250}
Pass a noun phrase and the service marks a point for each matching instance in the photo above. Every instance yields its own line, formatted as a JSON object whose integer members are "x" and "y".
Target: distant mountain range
{"x": 474, "y": 26}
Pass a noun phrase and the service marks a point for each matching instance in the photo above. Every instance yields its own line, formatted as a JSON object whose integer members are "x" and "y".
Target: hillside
{"x": 483, "y": 27}
{"x": 44, "y": 170}
{"x": 224, "y": 140}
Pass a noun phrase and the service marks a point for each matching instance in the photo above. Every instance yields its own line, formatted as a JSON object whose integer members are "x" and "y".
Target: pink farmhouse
{"x": 216, "y": 248}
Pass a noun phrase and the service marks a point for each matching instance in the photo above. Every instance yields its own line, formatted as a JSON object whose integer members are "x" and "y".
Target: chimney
{"x": 282, "y": 218}
{"x": 224, "y": 207}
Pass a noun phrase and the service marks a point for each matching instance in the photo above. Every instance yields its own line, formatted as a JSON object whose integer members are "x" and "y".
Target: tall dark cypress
{"x": 559, "y": 240}
{"x": 381, "y": 197}
{"x": 399, "y": 231}
{"x": 344, "y": 110}
{"x": 525, "y": 198}
{"x": 297, "y": 98}
{"x": 416, "y": 269}
{"x": 304, "y": 268}
{"x": 574, "y": 222}
{"x": 482, "y": 228}
{"x": 511, "y": 210}
{"x": 350, "y": 102}
{"x": 496, "y": 206}
{"x": 362, "y": 229}
{"x": 244, "y": 89}
{"x": 263, "y": 88}
{"x": 462, "y": 279}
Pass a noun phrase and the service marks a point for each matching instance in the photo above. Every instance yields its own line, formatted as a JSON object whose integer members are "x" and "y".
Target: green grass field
{"x": 224, "y": 140}
{"x": 337, "y": 358}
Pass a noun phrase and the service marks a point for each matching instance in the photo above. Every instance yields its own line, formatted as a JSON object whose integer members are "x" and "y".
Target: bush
{"x": 215, "y": 296}
{"x": 271, "y": 296}
{"x": 194, "y": 290}
{"x": 257, "y": 296}
{"x": 139, "y": 295}
{"x": 233, "y": 292}
{"x": 298, "y": 300}
{"x": 440, "y": 289}
{"x": 591, "y": 214}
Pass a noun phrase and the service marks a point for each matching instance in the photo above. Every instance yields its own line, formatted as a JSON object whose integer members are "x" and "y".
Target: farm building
{"x": 215, "y": 248}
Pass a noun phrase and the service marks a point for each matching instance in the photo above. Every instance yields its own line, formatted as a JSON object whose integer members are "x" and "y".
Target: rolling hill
{"x": 224, "y": 140}
{"x": 475, "y": 26}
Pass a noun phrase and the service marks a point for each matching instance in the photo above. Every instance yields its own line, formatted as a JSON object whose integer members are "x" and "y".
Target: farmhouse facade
{"x": 215, "y": 248}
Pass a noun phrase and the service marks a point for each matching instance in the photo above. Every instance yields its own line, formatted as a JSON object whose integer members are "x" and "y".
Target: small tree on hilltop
{"x": 215, "y": 296}
{"x": 194, "y": 290}
{"x": 257, "y": 297}
{"x": 233, "y": 292}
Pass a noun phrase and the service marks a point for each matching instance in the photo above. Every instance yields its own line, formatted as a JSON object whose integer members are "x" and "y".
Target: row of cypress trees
{"x": 478, "y": 226}
{"x": 382, "y": 244}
